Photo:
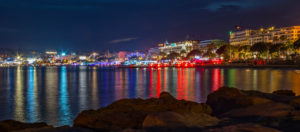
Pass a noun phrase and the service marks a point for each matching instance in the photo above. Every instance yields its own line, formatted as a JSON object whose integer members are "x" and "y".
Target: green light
{"x": 230, "y": 32}
{"x": 231, "y": 78}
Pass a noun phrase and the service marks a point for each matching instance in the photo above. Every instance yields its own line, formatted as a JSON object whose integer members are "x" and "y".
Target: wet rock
{"x": 226, "y": 99}
{"x": 132, "y": 130}
{"x": 172, "y": 119}
{"x": 290, "y": 124}
{"x": 58, "y": 129}
{"x": 163, "y": 119}
{"x": 130, "y": 113}
{"x": 295, "y": 103}
{"x": 166, "y": 98}
{"x": 245, "y": 101}
{"x": 284, "y": 92}
{"x": 277, "y": 96}
{"x": 247, "y": 127}
{"x": 11, "y": 125}
{"x": 261, "y": 110}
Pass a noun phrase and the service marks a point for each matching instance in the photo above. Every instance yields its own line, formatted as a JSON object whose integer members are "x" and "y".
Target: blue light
{"x": 173, "y": 44}
{"x": 31, "y": 96}
{"x": 64, "y": 106}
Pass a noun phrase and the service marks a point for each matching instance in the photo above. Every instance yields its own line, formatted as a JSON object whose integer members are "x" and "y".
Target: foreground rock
{"x": 248, "y": 127}
{"x": 172, "y": 119}
{"x": 295, "y": 102}
{"x": 281, "y": 96}
{"x": 284, "y": 93}
{"x": 130, "y": 113}
{"x": 226, "y": 99}
{"x": 261, "y": 110}
{"x": 57, "y": 129}
{"x": 11, "y": 125}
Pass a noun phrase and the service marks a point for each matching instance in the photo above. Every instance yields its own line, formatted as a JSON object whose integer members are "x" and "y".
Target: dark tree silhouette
{"x": 297, "y": 44}
{"x": 173, "y": 55}
{"x": 194, "y": 53}
{"x": 283, "y": 38}
{"x": 244, "y": 48}
{"x": 275, "y": 48}
{"x": 223, "y": 49}
{"x": 260, "y": 47}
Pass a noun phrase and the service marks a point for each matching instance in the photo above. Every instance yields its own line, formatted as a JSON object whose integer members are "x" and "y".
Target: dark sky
{"x": 132, "y": 24}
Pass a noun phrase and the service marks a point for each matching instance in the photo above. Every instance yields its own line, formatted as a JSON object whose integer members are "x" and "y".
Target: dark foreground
{"x": 227, "y": 109}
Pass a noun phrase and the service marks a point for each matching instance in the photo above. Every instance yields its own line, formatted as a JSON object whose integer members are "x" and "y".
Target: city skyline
{"x": 127, "y": 25}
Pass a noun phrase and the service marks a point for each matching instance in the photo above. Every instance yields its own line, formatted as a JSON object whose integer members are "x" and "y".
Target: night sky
{"x": 132, "y": 24}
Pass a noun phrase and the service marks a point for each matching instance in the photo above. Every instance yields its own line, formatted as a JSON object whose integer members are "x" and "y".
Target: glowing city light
{"x": 63, "y": 54}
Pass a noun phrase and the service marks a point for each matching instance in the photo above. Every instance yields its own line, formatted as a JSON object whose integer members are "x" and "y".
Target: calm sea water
{"x": 56, "y": 95}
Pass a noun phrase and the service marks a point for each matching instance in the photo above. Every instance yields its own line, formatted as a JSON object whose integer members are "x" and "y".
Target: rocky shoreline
{"x": 227, "y": 109}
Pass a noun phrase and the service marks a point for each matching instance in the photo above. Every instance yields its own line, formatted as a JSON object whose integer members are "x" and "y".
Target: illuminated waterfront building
{"x": 269, "y": 35}
{"x": 178, "y": 47}
{"x": 286, "y": 34}
{"x": 167, "y": 48}
{"x": 135, "y": 56}
{"x": 181, "y": 47}
{"x": 153, "y": 53}
{"x": 53, "y": 53}
{"x": 204, "y": 43}
{"x": 122, "y": 56}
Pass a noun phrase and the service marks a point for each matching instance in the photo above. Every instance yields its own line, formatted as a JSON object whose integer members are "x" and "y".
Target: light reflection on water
{"x": 57, "y": 94}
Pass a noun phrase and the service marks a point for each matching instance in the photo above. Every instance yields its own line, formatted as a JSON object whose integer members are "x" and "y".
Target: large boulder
{"x": 261, "y": 110}
{"x": 275, "y": 115}
{"x": 130, "y": 113}
{"x": 226, "y": 99}
{"x": 172, "y": 119}
{"x": 295, "y": 103}
{"x": 284, "y": 93}
{"x": 246, "y": 127}
{"x": 58, "y": 129}
{"x": 282, "y": 96}
{"x": 290, "y": 123}
{"x": 12, "y": 125}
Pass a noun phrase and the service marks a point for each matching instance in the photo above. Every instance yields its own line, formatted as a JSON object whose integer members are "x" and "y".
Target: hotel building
{"x": 177, "y": 47}
{"x": 217, "y": 42}
{"x": 269, "y": 35}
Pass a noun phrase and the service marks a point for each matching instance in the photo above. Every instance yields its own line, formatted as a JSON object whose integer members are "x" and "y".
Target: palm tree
{"x": 244, "y": 51}
{"x": 173, "y": 55}
{"x": 276, "y": 39}
{"x": 182, "y": 53}
{"x": 284, "y": 49}
{"x": 234, "y": 51}
{"x": 224, "y": 51}
{"x": 283, "y": 38}
{"x": 209, "y": 53}
{"x": 211, "y": 46}
{"x": 275, "y": 49}
{"x": 260, "y": 48}
{"x": 162, "y": 55}
{"x": 193, "y": 53}
{"x": 296, "y": 44}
